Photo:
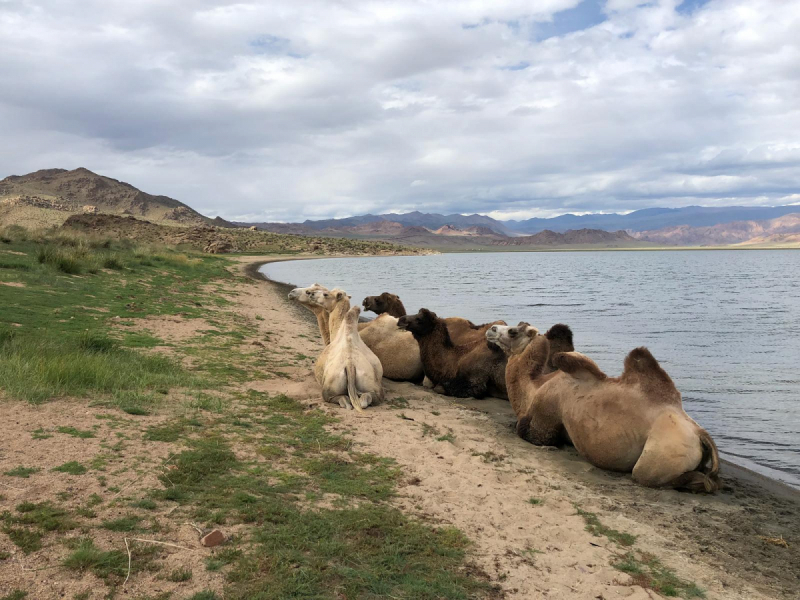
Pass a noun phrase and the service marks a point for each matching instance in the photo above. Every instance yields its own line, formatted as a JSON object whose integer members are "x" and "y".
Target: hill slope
{"x": 785, "y": 230}
{"x": 49, "y": 196}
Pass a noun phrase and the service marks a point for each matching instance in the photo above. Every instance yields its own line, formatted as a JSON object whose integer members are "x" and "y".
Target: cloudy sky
{"x": 290, "y": 109}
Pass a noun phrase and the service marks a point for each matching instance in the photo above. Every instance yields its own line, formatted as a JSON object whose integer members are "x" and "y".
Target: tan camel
{"x": 513, "y": 341}
{"x": 347, "y": 370}
{"x": 474, "y": 369}
{"x": 303, "y": 296}
{"x": 634, "y": 423}
{"x": 397, "y": 350}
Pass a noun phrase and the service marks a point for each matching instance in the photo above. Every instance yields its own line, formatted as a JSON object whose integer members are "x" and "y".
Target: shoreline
{"x": 465, "y": 467}
{"x": 751, "y": 474}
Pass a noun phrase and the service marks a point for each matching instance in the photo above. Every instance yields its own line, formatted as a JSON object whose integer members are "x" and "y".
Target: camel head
{"x": 512, "y": 340}
{"x": 328, "y": 299}
{"x": 420, "y": 324}
{"x": 303, "y": 295}
{"x": 380, "y": 304}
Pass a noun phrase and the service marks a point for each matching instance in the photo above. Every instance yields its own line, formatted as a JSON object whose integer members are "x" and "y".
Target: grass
{"x": 72, "y": 467}
{"x": 15, "y": 595}
{"x": 648, "y": 572}
{"x": 76, "y": 432}
{"x": 179, "y": 575}
{"x": 127, "y": 523}
{"x": 23, "y": 472}
{"x": 535, "y": 501}
{"x": 31, "y": 521}
{"x": 596, "y": 528}
{"x": 644, "y": 568}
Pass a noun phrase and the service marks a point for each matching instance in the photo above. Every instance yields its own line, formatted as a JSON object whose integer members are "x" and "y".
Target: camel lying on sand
{"x": 473, "y": 369}
{"x": 304, "y": 296}
{"x": 513, "y": 341}
{"x": 347, "y": 370}
{"x": 397, "y": 350}
{"x": 461, "y": 330}
{"x": 634, "y": 423}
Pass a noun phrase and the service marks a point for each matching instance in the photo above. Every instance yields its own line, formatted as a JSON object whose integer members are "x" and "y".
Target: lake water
{"x": 724, "y": 324}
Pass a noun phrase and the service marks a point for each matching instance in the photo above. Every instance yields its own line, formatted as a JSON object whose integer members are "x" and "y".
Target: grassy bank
{"x": 143, "y": 425}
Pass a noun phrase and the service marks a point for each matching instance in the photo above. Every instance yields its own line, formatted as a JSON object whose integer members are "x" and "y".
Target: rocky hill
{"x": 579, "y": 237}
{"x": 50, "y": 196}
{"x": 221, "y": 240}
{"x": 782, "y": 230}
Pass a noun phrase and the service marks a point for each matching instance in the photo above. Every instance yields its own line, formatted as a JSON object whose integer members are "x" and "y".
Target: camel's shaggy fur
{"x": 475, "y": 369}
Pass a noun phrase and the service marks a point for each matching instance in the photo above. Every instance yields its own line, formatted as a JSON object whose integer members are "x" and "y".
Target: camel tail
{"x": 711, "y": 453}
{"x": 352, "y": 392}
{"x": 705, "y": 478}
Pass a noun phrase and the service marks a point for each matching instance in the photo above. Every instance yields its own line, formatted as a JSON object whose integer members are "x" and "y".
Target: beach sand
{"x": 466, "y": 468}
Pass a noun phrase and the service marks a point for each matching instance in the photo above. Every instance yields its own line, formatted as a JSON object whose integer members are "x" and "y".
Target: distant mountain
{"x": 430, "y": 221}
{"x": 653, "y": 218}
{"x": 50, "y": 196}
{"x": 572, "y": 237}
{"x": 785, "y": 229}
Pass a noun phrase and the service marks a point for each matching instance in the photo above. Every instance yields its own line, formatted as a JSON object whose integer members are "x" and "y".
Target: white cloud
{"x": 289, "y": 110}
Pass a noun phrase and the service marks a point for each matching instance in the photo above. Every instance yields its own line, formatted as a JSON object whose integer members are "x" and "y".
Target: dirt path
{"x": 519, "y": 504}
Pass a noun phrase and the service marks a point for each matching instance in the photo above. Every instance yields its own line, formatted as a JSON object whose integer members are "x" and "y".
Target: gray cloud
{"x": 288, "y": 110}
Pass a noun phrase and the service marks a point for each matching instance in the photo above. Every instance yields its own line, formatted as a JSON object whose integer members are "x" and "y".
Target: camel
{"x": 513, "y": 341}
{"x": 634, "y": 423}
{"x": 397, "y": 350}
{"x": 304, "y": 296}
{"x": 347, "y": 370}
{"x": 386, "y": 303}
{"x": 474, "y": 369}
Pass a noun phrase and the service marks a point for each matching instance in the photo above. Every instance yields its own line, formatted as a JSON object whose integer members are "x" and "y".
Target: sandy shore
{"x": 466, "y": 468}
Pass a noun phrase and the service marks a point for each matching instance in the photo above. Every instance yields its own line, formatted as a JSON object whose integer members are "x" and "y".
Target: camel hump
{"x": 352, "y": 314}
{"x": 577, "y": 365}
{"x": 561, "y": 333}
{"x": 644, "y": 364}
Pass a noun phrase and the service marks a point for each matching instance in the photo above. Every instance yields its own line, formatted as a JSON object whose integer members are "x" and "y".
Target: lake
{"x": 724, "y": 324}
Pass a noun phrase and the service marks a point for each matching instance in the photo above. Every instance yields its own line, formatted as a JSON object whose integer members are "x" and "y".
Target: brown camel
{"x": 384, "y": 304}
{"x": 634, "y": 423}
{"x": 474, "y": 369}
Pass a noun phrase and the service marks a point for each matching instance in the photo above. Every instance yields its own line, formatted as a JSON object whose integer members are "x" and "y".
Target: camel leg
{"x": 343, "y": 401}
{"x": 365, "y": 400}
{"x": 541, "y": 425}
{"x": 672, "y": 452}
{"x": 427, "y": 383}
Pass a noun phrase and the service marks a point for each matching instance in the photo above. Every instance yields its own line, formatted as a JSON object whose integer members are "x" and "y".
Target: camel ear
{"x": 577, "y": 365}
{"x": 523, "y": 324}
{"x": 531, "y": 332}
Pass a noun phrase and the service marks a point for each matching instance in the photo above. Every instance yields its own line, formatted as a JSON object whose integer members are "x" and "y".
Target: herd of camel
{"x": 634, "y": 423}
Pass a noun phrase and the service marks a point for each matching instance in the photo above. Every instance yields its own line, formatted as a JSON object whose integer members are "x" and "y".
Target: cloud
{"x": 289, "y": 110}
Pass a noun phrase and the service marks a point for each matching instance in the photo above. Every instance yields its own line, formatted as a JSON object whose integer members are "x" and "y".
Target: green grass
{"x": 31, "y": 521}
{"x": 648, "y": 572}
{"x": 595, "y": 527}
{"x": 204, "y": 595}
{"x": 15, "y": 595}
{"x": 179, "y": 575}
{"x": 535, "y": 501}
{"x": 127, "y": 523}
{"x": 644, "y": 568}
{"x": 72, "y": 467}
{"x": 88, "y": 557}
{"x": 23, "y": 472}
{"x": 83, "y": 434}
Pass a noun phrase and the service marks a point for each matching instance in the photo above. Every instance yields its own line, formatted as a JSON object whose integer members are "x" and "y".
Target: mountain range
{"x": 48, "y": 197}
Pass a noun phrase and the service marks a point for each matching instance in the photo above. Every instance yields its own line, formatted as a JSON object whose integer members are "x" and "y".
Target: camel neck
{"x": 398, "y": 310}
{"x": 337, "y": 316}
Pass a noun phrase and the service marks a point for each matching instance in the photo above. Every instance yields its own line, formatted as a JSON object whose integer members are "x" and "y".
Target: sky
{"x": 288, "y": 110}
